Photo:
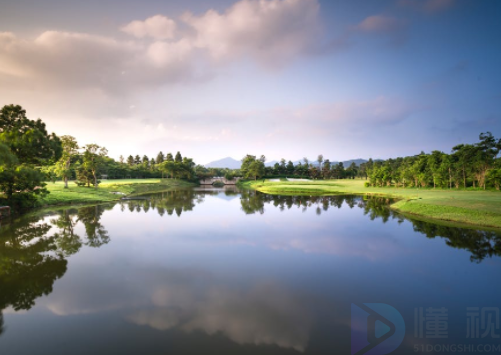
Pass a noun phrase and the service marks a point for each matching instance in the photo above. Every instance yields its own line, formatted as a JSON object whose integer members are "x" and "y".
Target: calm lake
{"x": 221, "y": 271}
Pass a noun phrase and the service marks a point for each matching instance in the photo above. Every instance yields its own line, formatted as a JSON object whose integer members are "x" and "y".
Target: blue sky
{"x": 283, "y": 78}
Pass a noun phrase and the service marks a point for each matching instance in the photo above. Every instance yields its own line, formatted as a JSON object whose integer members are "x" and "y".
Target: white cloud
{"x": 157, "y": 27}
{"x": 270, "y": 31}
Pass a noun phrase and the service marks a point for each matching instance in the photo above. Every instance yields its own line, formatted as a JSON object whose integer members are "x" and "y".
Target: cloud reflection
{"x": 265, "y": 314}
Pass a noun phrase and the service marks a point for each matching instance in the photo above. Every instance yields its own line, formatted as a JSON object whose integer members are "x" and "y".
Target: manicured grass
{"x": 79, "y": 195}
{"x": 481, "y": 208}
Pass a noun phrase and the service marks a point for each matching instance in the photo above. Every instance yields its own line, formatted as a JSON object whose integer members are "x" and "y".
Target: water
{"x": 204, "y": 271}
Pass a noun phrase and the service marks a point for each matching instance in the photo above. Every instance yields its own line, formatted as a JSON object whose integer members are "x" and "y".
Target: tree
{"x": 63, "y": 166}
{"x": 27, "y": 139}
{"x": 320, "y": 159}
{"x": 160, "y": 158}
{"x": 434, "y": 164}
{"x": 137, "y": 160}
{"x": 326, "y": 170}
{"x": 25, "y": 147}
{"x": 179, "y": 158}
{"x": 252, "y": 167}
{"x": 169, "y": 157}
{"x": 283, "y": 166}
{"x": 487, "y": 151}
{"x": 130, "y": 160}
{"x": 290, "y": 168}
{"x": 464, "y": 154}
{"x": 93, "y": 158}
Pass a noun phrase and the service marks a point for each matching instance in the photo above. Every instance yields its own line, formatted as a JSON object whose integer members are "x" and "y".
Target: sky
{"x": 281, "y": 78}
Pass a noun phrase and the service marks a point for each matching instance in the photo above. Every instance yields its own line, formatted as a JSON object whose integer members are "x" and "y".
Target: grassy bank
{"x": 109, "y": 190}
{"x": 481, "y": 208}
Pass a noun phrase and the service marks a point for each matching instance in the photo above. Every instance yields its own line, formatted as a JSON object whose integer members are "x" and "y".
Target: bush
{"x": 367, "y": 184}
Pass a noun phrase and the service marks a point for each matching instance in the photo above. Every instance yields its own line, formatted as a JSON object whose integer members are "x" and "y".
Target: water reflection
{"x": 196, "y": 299}
{"x": 264, "y": 314}
{"x": 481, "y": 244}
{"x": 30, "y": 262}
{"x": 168, "y": 202}
{"x": 33, "y": 253}
{"x": 375, "y": 207}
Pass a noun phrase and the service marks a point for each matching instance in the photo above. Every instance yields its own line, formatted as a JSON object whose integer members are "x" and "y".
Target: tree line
{"x": 254, "y": 168}
{"x": 87, "y": 164}
{"x": 468, "y": 165}
{"x": 30, "y": 156}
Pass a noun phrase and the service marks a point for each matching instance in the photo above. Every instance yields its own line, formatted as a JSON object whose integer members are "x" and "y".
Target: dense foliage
{"x": 468, "y": 165}
{"x": 25, "y": 147}
{"x": 254, "y": 168}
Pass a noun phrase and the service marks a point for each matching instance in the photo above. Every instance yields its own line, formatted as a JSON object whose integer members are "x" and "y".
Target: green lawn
{"x": 78, "y": 195}
{"x": 482, "y": 208}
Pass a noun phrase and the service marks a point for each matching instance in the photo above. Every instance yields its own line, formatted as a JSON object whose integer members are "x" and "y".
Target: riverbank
{"x": 480, "y": 208}
{"x": 108, "y": 190}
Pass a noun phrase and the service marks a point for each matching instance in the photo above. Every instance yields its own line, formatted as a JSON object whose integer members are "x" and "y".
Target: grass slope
{"x": 79, "y": 195}
{"x": 481, "y": 208}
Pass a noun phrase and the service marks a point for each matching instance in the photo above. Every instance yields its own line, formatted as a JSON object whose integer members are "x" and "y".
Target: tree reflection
{"x": 33, "y": 253}
{"x": 168, "y": 202}
{"x": 30, "y": 262}
{"x": 96, "y": 234}
{"x": 481, "y": 244}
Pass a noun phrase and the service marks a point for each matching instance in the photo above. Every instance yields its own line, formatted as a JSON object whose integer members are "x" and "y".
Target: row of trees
{"x": 88, "y": 163}
{"x": 254, "y": 168}
{"x": 468, "y": 165}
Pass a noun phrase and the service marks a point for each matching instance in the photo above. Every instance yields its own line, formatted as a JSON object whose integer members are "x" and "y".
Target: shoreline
{"x": 108, "y": 191}
{"x": 469, "y": 208}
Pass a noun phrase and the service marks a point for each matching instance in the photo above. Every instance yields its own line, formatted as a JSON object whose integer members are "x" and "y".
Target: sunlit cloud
{"x": 157, "y": 27}
{"x": 272, "y": 32}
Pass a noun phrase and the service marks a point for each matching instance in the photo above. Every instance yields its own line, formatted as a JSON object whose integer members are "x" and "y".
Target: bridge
{"x": 211, "y": 181}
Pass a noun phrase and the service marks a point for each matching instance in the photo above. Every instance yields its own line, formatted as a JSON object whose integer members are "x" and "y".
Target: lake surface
{"x": 215, "y": 271}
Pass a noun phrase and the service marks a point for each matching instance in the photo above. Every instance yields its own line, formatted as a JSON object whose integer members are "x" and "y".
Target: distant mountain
{"x": 228, "y": 162}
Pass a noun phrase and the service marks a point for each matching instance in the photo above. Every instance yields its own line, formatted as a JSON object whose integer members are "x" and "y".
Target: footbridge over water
{"x": 225, "y": 181}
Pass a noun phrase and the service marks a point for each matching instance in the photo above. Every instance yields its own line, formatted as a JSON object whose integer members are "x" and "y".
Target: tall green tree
{"x": 26, "y": 146}
{"x": 63, "y": 165}
{"x": 320, "y": 159}
{"x": 93, "y": 159}
{"x": 160, "y": 158}
{"x": 252, "y": 167}
{"x": 28, "y": 139}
